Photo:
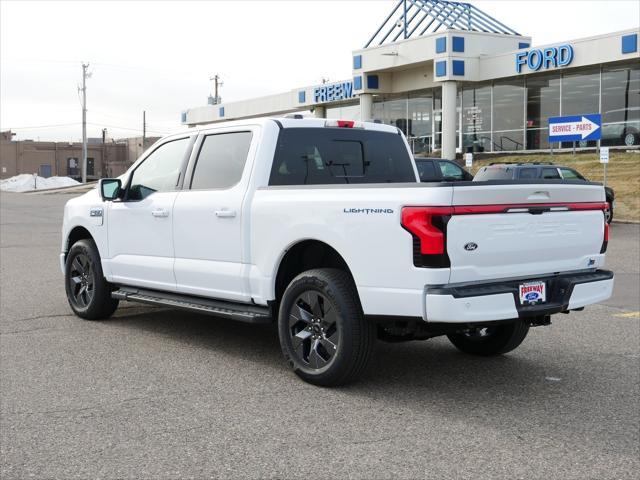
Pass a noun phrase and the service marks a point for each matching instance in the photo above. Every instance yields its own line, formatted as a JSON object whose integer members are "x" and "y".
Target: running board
{"x": 236, "y": 311}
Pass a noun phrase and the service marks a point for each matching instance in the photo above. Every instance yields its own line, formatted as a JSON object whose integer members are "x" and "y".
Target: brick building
{"x": 104, "y": 159}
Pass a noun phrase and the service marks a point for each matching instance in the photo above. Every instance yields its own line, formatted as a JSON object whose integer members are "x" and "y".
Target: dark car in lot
{"x": 524, "y": 171}
{"x": 438, "y": 170}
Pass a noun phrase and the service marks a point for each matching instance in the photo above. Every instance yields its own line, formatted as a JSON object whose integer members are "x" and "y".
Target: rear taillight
{"x": 605, "y": 240}
{"x": 428, "y": 227}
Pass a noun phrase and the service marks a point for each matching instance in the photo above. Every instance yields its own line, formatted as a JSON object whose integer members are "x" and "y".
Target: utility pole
{"x": 83, "y": 90}
{"x": 217, "y": 82}
{"x": 144, "y": 128}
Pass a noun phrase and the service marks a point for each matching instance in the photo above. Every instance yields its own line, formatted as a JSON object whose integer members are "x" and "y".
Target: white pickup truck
{"x": 323, "y": 227}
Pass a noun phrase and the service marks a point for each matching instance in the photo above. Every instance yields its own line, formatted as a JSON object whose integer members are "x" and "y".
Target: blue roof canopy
{"x": 413, "y": 18}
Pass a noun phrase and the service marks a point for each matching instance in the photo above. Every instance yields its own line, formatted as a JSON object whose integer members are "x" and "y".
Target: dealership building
{"x": 454, "y": 79}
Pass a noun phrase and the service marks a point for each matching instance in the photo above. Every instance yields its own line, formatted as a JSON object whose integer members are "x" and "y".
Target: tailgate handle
{"x": 540, "y": 195}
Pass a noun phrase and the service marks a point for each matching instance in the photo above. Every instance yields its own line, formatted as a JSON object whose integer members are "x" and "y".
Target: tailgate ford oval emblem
{"x": 469, "y": 247}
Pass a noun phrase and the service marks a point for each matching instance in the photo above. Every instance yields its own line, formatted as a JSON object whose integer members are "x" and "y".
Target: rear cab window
{"x": 330, "y": 156}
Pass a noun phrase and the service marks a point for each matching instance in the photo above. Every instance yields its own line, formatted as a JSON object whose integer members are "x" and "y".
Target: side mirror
{"x": 109, "y": 188}
{"x": 467, "y": 176}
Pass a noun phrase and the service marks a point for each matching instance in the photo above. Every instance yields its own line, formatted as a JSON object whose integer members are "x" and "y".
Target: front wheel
{"x": 88, "y": 293}
{"x": 491, "y": 340}
{"x": 323, "y": 333}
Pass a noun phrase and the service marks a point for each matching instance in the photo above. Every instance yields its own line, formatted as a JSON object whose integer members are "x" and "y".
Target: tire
{"x": 608, "y": 214}
{"x": 88, "y": 293}
{"x": 323, "y": 333}
{"x": 630, "y": 138}
{"x": 489, "y": 341}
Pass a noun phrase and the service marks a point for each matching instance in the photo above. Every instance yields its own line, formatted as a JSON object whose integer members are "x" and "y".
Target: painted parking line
{"x": 628, "y": 315}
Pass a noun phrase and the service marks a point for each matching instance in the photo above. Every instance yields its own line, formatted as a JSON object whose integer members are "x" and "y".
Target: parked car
{"x": 528, "y": 171}
{"x": 323, "y": 227}
{"x": 438, "y": 170}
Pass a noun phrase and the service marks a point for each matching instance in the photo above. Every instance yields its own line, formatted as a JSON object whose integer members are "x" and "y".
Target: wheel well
{"x": 78, "y": 233}
{"x": 304, "y": 256}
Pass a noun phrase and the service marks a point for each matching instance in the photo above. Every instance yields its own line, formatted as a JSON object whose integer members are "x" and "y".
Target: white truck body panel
{"x": 228, "y": 243}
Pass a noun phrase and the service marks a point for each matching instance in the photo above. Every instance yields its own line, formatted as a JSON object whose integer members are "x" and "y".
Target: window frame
{"x": 149, "y": 153}
{"x": 193, "y": 164}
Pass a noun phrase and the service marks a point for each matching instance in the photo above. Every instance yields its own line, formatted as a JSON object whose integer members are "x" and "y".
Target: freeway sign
{"x": 575, "y": 128}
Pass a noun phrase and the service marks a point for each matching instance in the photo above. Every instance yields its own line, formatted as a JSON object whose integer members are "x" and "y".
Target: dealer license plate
{"x": 532, "y": 293}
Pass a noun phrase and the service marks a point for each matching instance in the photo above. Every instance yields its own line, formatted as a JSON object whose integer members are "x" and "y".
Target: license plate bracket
{"x": 532, "y": 293}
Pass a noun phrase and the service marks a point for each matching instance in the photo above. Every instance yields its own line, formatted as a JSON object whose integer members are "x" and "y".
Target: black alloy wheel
{"x": 81, "y": 281}
{"x": 323, "y": 332}
{"x": 88, "y": 292}
{"x": 313, "y": 329}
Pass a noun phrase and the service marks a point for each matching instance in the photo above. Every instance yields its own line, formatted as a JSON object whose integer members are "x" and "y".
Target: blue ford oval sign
{"x": 551, "y": 57}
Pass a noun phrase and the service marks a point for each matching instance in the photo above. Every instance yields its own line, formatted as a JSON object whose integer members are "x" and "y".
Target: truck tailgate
{"x": 523, "y": 230}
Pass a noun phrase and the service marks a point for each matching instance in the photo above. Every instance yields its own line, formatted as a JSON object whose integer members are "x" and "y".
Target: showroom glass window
{"x": 476, "y": 119}
{"x": 347, "y": 111}
{"x": 621, "y": 105}
{"x": 508, "y": 114}
{"x": 392, "y": 110}
{"x": 580, "y": 96}
{"x": 437, "y": 118}
{"x": 420, "y": 135}
{"x": 543, "y": 101}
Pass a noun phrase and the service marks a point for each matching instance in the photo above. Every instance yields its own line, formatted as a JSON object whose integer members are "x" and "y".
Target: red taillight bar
{"x": 503, "y": 208}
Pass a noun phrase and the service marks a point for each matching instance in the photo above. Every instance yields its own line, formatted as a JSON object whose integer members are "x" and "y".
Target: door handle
{"x": 161, "y": 212}
{"x": 225, "y": 213}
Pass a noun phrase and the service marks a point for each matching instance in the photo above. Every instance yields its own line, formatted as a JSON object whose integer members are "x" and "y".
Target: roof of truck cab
{"x": 288, "y": 122}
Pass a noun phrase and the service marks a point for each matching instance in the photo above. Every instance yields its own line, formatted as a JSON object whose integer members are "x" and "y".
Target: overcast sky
{"x": 158, "y": 56}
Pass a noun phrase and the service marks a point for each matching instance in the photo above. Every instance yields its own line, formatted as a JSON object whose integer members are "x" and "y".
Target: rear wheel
{"x": 88, "y": 293}
{"x": 491, "y": 340}
{"x": 323, "y": 333}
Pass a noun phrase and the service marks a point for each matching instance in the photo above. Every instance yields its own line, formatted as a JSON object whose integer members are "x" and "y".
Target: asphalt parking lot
{"x": 158, "y": 393}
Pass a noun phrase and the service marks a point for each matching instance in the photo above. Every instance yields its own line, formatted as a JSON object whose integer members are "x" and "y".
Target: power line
{"x": 35, "y": 127}
{"x": 45, "y": 126}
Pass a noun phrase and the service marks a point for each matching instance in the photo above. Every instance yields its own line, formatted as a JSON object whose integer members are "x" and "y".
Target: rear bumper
{"x": 464, "y": 303}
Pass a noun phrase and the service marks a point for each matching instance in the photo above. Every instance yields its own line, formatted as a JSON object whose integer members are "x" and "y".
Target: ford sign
{"x": 551, "y": 57}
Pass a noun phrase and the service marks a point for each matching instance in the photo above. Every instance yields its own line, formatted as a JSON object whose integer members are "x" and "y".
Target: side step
{"x": 236, "y": 311}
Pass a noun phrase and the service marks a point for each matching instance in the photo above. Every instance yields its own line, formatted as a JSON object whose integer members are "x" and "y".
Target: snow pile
{"x": 27, "y": 182}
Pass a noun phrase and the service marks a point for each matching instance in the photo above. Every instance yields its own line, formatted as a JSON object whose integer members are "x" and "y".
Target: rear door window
{"x": 326, "y": 156}
{"x": 569, "y": 174}
{"x": 451, "y": 170}
{"x": 528, "y": 173}
{"x": 494, "y": 173}
{"x": 221, "y": 160}
{"x": 427, "y": 171}
{"x": 550, "y": 173}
